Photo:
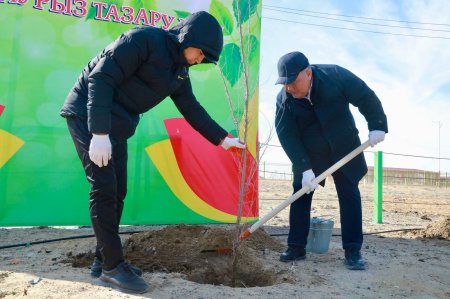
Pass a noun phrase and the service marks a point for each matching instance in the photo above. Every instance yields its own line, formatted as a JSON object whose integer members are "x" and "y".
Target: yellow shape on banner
{"x": 163, "y": 156}
{"x": 252, "y": 129}
{"x": 9, "y": 145}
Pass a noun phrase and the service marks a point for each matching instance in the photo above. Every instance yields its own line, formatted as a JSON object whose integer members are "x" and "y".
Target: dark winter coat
{"x": 139, "y": 70}
{"x": 319, "y": 133}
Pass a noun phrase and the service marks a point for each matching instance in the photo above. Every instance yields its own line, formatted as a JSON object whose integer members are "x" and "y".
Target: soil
{"x": 407, "y": 255}
{"x": 201, "y": 254}
{"x": 438, "y": 230}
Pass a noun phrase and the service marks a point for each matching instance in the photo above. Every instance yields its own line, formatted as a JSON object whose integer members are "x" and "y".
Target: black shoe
{"x": 96, "y": 268}
{"x": 293, "y": 254}
{"x": 123, "y": 278}
{"x": 353, "y": 260}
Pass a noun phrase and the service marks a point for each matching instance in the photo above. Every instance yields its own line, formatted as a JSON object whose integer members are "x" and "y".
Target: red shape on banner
{"x": 1, "y": 109}
{"x": 213, "y": 173}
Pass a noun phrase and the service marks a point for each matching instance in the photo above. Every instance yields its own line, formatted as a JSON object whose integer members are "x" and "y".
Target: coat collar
{"x": 317, "y": 82}
{"x": 312, "y": 92}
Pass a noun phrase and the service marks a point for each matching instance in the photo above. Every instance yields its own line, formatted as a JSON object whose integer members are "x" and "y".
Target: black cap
{"x": 290, "y": 65}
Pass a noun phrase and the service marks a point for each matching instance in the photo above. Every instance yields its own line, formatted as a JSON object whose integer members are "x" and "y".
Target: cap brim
{"x": 286, "y": 80}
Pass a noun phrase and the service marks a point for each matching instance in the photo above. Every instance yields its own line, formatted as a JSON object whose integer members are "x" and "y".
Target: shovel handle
{"x": 305, "y": 189}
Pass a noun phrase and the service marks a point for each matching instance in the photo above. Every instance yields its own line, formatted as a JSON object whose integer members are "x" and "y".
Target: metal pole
{"x": 439, "y": 123}
{"x": 439, "y": 146}
{"x": 378, "y": 187}
{"x": 264, "y": 169}
{"x": 446, "y": 180}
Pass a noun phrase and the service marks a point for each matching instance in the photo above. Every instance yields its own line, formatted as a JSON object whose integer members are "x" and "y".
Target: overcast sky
{"x": 410, "y": 75}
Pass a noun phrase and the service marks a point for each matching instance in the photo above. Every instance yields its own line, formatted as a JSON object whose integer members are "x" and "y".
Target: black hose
{"x": 365, "y": 234}
{"x": 391, "y": 231}
{"x": 60, "y": 239}
{"x": 140, "y": 231}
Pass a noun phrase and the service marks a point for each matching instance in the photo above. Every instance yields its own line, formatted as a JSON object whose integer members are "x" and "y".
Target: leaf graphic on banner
{"x": 251, "y": 44}
{"x": 115, "y": 31}
{"x": 212, "y": 173}
{"x": 149, "y": 5}
{"x": 135, "y": 4}
{"x": 9, "y": 145}
{"x": 252, "y": 127}
{"x": 181, "y": 14}
{"x": 92, "y": 11}
{"x": 230, "y": 63}
{"x": 246, "y": 9}
{"x": 203, "y": 176}
{"x": 222, "y": 14}
{"x": 202, "y": 67}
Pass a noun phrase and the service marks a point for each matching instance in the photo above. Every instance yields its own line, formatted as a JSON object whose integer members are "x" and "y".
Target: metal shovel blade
{"x": 218, "y": 250}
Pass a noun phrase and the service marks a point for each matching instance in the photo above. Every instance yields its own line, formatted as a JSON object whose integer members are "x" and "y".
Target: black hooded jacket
{"x": 139, "y": 70}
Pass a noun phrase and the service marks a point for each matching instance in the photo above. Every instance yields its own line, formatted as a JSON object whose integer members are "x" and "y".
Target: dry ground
{"x": 401, "y": 264}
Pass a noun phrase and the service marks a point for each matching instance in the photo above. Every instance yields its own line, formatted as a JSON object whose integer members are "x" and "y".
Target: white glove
{"x": 307, "y": 180}
{"x": 375, "y": 137}
{"x": 232, "y": 142}
{"x": 100, "y": 149}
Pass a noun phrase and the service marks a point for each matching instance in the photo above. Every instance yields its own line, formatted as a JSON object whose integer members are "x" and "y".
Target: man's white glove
{"x": 307, "y": 180}
{"x": 100, "y": 149}
{"x": 375, "y": 137}
{"x": 232, "y": 142}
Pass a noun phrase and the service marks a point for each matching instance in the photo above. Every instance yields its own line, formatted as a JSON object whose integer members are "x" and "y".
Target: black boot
{"x": 353, "y": 260}
{"x": 124, "y": 279}
{"x": 96, "y": 268}
{"x": 293, "y": 254}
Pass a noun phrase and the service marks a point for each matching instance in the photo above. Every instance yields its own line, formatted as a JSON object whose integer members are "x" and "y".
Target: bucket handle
{"x": 325, "y": 217}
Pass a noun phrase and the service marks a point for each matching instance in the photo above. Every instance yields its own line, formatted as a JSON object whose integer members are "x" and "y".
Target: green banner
{"x": 44, "y": 45}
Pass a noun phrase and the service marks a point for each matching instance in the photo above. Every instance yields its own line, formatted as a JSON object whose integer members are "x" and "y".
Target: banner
{"x": 173, "y": 177}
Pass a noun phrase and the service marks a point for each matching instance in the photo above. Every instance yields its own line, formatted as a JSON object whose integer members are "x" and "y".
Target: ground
{"x": 408, "y": 254}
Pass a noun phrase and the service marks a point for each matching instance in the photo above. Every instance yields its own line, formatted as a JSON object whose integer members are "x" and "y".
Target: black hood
{"x": 200, "y": 30}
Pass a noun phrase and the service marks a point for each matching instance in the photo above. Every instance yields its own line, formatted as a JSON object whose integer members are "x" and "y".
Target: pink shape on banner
{"x": 213, "y": 173}
{"x": 1, "y": 109}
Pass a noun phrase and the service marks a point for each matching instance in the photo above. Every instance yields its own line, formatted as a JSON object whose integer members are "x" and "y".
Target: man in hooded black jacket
{"x": 129, "y": 77}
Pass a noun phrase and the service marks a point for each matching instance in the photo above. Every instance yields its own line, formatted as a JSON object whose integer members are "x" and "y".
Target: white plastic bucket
{"x": 320, "y": 231}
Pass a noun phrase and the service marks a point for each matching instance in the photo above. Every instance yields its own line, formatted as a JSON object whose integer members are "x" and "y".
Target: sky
{"x": 410, "y": 75}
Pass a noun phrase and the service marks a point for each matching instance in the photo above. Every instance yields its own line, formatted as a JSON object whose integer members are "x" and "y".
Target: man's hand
{"x": 100, "y": 149}
{"x": 307, "y": 180}
{"x": 229, "y": 143}
{"x": 375, "y": 137}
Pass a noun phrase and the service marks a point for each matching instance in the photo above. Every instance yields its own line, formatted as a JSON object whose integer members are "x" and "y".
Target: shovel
{"x": 247, "y": 232}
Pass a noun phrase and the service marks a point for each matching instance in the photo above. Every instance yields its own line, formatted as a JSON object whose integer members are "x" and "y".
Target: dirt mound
{"x": 439, "y": 230}
{"x": 180, "y": 248}
{"x": 80, "y": 260}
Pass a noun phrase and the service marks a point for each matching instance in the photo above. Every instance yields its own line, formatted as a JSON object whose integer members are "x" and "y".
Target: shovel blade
{"x": 218, "y": 250}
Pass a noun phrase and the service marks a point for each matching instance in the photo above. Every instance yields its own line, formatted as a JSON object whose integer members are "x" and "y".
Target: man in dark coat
{"x": 316, "y": 129}
{"x": 129, "y": 77}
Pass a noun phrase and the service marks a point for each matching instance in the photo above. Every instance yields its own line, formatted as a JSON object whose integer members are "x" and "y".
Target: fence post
{"x": 378, "y": 187}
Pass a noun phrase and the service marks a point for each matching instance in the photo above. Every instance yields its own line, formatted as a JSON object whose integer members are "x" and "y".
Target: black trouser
{"x": 349, "y": 207}
{"x": 108, "y": 191}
